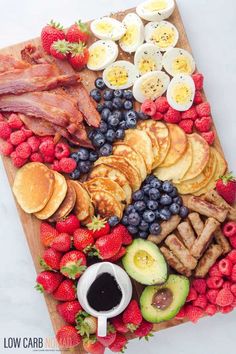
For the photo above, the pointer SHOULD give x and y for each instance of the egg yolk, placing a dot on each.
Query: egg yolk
(181, 65)
(181, 93)
(152, 87)
(163, 36)
(130, 35)
(97, 55)
(117, 76)
(156, 5)
(146, 64)
(104, 27)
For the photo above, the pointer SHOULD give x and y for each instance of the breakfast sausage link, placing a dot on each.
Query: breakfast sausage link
(181, 252)
(207, 260)
(196, 222)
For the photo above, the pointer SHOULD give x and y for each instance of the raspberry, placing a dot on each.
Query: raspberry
(1, 117)
(47, 148)
(148, 107)
(232, 256)
(5, 130)
(186, 125)
(48, 159)
(181, 314)
(194, 313)
(46, 138)
(199, 285)
(67, 164)
(198, 80)
(229, 229)
(55, 166)
(27, 132)
(17, 161)
(233, 242)
(226, 309)
(191, 113)
(233, 289)
(198, 98)
(172, 116)
(162, 104)
(23, 150)
(209, 137)
(14, 121)
(17, 137)
(201, 301)
(233, 273)
(225, 267)
(34, 143)
(214, 282)
(224, 298)
(36, 157)
(203, 109)
(158, 116)
(203, 124)
(211, 295)
(6, 148)
(214, 271)
(192, 295)
(227, 285)
(210, 310)
(62, 150)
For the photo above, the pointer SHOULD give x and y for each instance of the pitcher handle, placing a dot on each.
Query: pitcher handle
(102, 326)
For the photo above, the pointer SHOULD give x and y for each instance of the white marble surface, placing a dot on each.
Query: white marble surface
(210, 25)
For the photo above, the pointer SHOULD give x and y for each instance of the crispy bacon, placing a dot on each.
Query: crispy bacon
(8, 62)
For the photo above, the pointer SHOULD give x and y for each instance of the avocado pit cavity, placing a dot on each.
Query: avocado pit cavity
(162, 299)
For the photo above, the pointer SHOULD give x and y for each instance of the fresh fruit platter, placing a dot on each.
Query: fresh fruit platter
(119, 178)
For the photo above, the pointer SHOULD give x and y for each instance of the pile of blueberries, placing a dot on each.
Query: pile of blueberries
(155, 202)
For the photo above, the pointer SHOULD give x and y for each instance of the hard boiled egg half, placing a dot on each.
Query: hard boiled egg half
(101, 54)
(178, 61)
(163, 34)
(181, 91)
(134, 35)
(155, 10)
(150, 86)
(120, 75)
(148, 58)
(107, 28)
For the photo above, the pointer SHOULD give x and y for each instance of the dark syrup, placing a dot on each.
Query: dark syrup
(104, 293)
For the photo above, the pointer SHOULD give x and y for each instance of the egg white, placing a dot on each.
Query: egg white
(173, 54)
(151, 28)
(133, 24)
(159, 14)
(174, 88)
(149, 52)
(127, 68)
(113, 29)
(106, 52)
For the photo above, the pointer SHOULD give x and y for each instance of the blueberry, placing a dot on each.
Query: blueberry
(105, 114)
(83, 154)
(132, 229)
(108, 95)
(142, 116)
(154, 193)
(130, 114)
(174, 208)
(183, 213)
(99, 83)
(128, 105)
(117, 103)
(178, 200)
(156, 183)
(122, 125)
(139, 206)
(125, 220)
(143, 234)
(91, 134)
(157, 213)
(110, 135)
(93, 156)
(118, 114)
(130, 123)
(167, 187)
(149, 216)
(103, 127)
(120, 134)
(100, 107)
(113, 121)
(155, 229)
(165, 199)
(105, 150)
(174, 192)
(84, 166)
(165, 214)
(98, 139)
(149, 179)
(138, 195)
(128, 95)
(143, 226)
(130, 209)
(118, 93)
(75, 174)
(109, 105)
(75, 156)
(146, 189)
(134, 219)
(113, 220)
(96, 95)
(152, 205)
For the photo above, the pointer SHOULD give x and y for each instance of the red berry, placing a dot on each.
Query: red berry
(28, 133)
(233, 273)
(198, 98)
(48, 281)
(1, 117)
(15, 122)
(199, 285)
(181, 314)
(225, 267)
(203, 109)
(68, 225)
(55, 166)
(68, 337)
(69, 310)
(172, 116)
(162, 104)
(47, 148)
(17, 137)
(66, 291)
(211, 310)
(148, 107)
(229, 229)
(232, 256)
(67, 164)
(6, 148)
(34, 143)
(51, 33)
(211, 295)
(227, 285)
(191, 113)
(214, 282)
(83, 239)
(186, 125)
(99, 227)
(23, 150)
(17, 161)
(233, 289)
(233, 242)
(158, 116)
(214, 271)
(119, 325)
(62, 242)
(123, 231)
(209, 137)
(51, 259)
(201, 301)
(47, 234)
(193, 313)
(60, 49)
(203, 124)
(226, 309)
(36, 157)
(118, 255)
(78, 32)
(48, 159)
(198, 81)
(5, 130)
(224, 298)
(144, 330)
(132, 316)
(62, 150)
(192, 295)
(119, 343)
(73, 264)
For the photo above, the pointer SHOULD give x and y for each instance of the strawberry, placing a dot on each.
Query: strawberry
(144, 330)
(83, 240)
(109, 338)
(47, 234)
(118, 255)
(98, 226)
(93, 346)
(193, 313)
(119, 325)
(79, 55)
(78, 32)
(132, 316)
(60, 49)
(226, 187)
(209, 137)
(123, 231)
(62, 242)
(186, 125)
(73, 264)
(68, 337)
(203, 124)
(69, 310)
(68, 224)
(229, 229)
(51, 259)
(66, 291)
(51, 33)
(191, 113)
(172, 116)
(48, 281)
(224, 298)
(86, 324)
(198, 81)
(119, 344)
(203, 109)
(107, 246)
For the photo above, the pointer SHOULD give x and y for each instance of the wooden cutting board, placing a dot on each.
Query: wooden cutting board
(31, 224)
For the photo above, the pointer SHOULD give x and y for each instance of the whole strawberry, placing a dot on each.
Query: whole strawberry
(47, 234)
(48, 281)
(86, 324)
(109, 338)
(73, 264)
(93, 346)
(98, 226)
(144, 330)
(119, 344)
(69, 310)
(107, 246)
(118, 255)
(132, 316)
(78, 56)
(68, 337)
(78, 32)
(51, 33)
(226, 187)
(125, 235)
(51, 259)
(60, 49)
(83, 240)
(66, 291)
(62, 242)
(68, 224)
(119, 325)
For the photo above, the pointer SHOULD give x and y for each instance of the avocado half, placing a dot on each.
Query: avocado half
(145, 263)
(162, 302)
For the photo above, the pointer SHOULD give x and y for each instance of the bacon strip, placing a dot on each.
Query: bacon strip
(8, 62)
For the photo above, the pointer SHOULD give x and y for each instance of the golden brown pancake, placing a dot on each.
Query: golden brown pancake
(83, 202)
(106, 184)
(145, 126)
(67, 205)
(106, 204)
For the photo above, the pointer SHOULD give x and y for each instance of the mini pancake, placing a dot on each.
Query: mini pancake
(178, 170)
(58, 195)
(83, 202)
(33, 186)
(121, 149)
(89, 218)
(67, 205)
(178, 145)
(200, 156)
(121, 163)
(140, 142)
(163, 137)
(145, 126)
(106, 204)
(114, 175)
(105, 184)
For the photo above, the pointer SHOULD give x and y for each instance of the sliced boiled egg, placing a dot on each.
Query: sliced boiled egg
(101, 54)
(163, 34)
(178, 61)
(155, 10)
(120, 75)
(107, 28)
(148, 58)
(181, 91)
(150, 86)
(134, 35)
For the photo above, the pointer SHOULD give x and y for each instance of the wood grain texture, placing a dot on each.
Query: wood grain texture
(31, 224)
